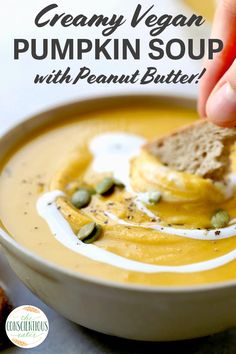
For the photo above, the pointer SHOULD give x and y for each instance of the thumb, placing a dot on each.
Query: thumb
(221, 105)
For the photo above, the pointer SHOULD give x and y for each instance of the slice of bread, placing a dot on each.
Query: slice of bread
(201, 148)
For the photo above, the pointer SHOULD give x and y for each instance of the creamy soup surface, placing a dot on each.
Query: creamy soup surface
(169, 242)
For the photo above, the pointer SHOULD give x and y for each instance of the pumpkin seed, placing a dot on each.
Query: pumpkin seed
(89, 232)
(105, 186)
(86, 231)
(81, 198)
(94, 235)
(220, 219)
(154, 197)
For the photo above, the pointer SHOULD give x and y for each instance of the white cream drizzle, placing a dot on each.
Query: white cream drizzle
(63, 232)
(112, 153)
(205, 235)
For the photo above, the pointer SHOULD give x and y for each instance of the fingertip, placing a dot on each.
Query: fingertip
(222, 123)
(221, 106)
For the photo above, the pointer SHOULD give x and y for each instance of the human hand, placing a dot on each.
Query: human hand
(217, 99)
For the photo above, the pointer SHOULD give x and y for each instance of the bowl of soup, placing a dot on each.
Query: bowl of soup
(106, 235)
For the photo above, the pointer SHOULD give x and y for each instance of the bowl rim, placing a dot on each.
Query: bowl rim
(14, 247)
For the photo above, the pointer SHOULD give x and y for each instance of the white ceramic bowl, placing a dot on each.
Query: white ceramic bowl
(129, 311)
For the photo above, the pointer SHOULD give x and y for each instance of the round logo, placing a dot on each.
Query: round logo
(27, 326)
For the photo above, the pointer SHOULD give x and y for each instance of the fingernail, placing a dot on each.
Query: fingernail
(221, 106)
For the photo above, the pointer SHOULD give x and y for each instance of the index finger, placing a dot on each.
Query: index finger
(224, 28)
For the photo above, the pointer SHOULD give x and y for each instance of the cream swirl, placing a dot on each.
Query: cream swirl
(112, 153)
(62, 231)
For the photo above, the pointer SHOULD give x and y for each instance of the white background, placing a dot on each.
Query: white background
(20, 97)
